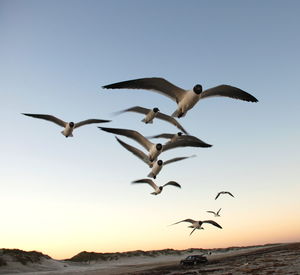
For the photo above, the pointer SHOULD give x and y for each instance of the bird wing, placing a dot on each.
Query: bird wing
(211, 212)
(228, 91)
(219, 211)
(171, 120)
(130, 134)
(49, 118)
(177, 159)
(218, 195)
(90, 121)
(174, 183)
(213, 223)
(229, 194)
(169, 136)
(136, 109)
(149, 181)
(138, 153)
(185, 141)
(193, 231)
(186, 220)
(156, 84)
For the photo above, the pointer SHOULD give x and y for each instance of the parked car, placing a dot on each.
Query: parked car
(193, 260)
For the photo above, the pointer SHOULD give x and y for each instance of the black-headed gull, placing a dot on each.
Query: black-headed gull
(217, 214)
(185, 99)
(153, 149)
(69, 126)
(222, 193)
(198, 224)
(157, 189)
(155, 165)
(150, 114)
(188, 140)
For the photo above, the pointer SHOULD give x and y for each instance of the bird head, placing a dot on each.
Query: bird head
(179, 134)
(155, 110)
(160, 162)
(158, 146)
(197, 89)
(71, 124)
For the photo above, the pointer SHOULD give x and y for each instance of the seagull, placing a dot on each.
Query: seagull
(69, 126)
(157, 189)
(216, 214)
(198, 224)
(188, 139)
(153, 149)
(156, 149)
(223, 192)
(155, 165)
(154, 113)
(185, 99)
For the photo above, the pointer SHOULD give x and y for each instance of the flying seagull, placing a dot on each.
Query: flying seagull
(185, 99)
(154, 150)
(216, 214)
(69, 126)
(198, 224)
(157, 189)
(154, 113)
(188, 139)
(223, 192)
(155, 165)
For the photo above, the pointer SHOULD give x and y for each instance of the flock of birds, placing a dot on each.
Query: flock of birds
(186, 100)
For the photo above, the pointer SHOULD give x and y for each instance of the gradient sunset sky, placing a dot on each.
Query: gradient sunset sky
(62, 196)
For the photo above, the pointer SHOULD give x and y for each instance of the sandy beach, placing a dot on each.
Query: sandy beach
(268, 259)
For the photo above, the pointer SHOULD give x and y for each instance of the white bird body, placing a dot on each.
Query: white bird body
(149, 117)
(196, 225)
(156, 169)
(153, 152)
(175, 137)
(188, 101)
(156, 192)
(68, 131)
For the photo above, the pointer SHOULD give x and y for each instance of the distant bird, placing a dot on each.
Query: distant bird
(69, 126)
(155, 165)
(216, 214)
(187, 139)
(154, 113)
(223, 192)
(157, 189)
(198, 224)
(185, 99)
(155, 149)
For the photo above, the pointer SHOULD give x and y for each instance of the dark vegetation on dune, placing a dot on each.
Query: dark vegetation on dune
(93, 256)
(85, 256)
(23, 257)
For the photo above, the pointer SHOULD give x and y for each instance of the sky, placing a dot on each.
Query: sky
(63, 195)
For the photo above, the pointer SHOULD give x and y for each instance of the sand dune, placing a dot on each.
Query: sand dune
(277, 258)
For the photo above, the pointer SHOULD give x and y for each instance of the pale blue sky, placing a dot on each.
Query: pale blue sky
(56, 55)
